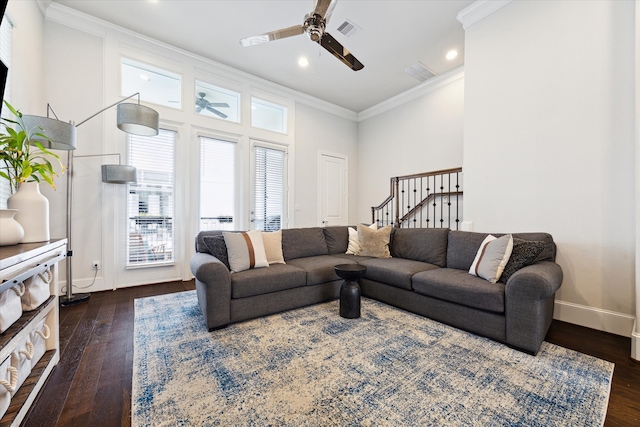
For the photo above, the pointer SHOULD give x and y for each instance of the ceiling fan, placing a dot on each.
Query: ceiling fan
(203, 104)
(314, 26)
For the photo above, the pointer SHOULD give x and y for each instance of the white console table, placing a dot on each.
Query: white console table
(18, 263)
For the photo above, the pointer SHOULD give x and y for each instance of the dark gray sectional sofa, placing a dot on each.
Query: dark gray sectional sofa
(427, 274)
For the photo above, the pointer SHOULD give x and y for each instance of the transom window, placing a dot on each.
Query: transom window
(155, 84)
(269, 116)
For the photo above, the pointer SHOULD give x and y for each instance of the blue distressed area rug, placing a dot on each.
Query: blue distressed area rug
(310, 367)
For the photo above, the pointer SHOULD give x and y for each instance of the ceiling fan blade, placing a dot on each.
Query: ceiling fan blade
(328, 42)
(273, 35)
(219, 104)
(216, 112)
(324, 8)
(198, 109)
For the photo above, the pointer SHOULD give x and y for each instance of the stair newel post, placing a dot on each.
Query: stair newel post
(396, 193)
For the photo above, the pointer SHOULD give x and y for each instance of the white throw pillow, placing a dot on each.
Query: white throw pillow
(492, 257)
(245, 250)
(273, 246)
(354, 243)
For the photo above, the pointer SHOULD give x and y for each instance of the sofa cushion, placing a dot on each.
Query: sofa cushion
(353, 258)
(394, 271)
(374, 242)
(462, 247)
(420, 244)
(303, 242)
(460, 287)
(320, 269)
(277, 277)
(337, 238)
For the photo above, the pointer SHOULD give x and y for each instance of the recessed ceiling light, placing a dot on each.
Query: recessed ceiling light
(452, 54)
(303, 62)
(145, 77)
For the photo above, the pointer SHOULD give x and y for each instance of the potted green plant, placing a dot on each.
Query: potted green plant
(25, 162)
(23, 159)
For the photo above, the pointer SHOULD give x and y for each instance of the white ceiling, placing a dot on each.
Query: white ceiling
(394, 35)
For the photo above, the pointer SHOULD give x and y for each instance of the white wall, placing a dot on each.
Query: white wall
(321, 131)
(27, 66)
(82, 57)
(549, 143)
(422, 135)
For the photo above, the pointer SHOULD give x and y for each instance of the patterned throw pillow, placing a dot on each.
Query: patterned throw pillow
(217, 247)
(524, 253)
(492, 257)
(245, 250)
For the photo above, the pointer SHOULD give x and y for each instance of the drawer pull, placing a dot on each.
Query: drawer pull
(19, 289)
(11, 386)
(45, 333)
(28, 353)
(46, 276)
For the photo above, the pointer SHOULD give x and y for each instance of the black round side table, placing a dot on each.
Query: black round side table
(350, 290)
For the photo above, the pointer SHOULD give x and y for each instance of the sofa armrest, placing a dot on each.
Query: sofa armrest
(529, 301)
(535, 282)
(213, 286)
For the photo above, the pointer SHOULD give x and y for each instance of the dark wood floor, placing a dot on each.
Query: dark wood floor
(91, 386)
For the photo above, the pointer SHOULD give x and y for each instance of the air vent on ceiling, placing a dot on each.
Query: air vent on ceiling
(348, 28)
(419, 72)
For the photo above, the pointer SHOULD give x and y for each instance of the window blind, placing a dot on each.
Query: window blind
(150, 205)
(217, 184)
(5, 56)
(269, 188)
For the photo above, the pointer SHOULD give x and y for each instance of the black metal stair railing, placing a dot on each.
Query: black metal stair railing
(424, 200)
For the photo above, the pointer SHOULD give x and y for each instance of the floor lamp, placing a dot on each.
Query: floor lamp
(132, 118)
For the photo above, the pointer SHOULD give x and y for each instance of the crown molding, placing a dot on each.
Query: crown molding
(479, 10)
(413, 93)
(72, 18)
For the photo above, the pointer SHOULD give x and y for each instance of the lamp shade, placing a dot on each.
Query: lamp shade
(62, 134)
(138, 119)
(119, 174)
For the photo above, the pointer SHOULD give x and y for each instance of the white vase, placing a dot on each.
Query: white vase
(33, 212)
(11, 232)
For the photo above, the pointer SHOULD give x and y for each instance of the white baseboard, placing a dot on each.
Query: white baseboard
(595, 318)
(635, 342)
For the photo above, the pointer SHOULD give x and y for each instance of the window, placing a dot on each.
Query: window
(5, 56)
(269, 187)
(269, 116)
(155, 85)
(217, 184)
(150, 206)
(214, 101)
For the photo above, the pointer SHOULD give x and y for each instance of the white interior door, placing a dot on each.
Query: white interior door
(332, 190)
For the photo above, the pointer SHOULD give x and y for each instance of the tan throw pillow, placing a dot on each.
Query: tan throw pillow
(354, 243)
(374, 243)
(245, 250)
(273, 246)
(492, 257)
